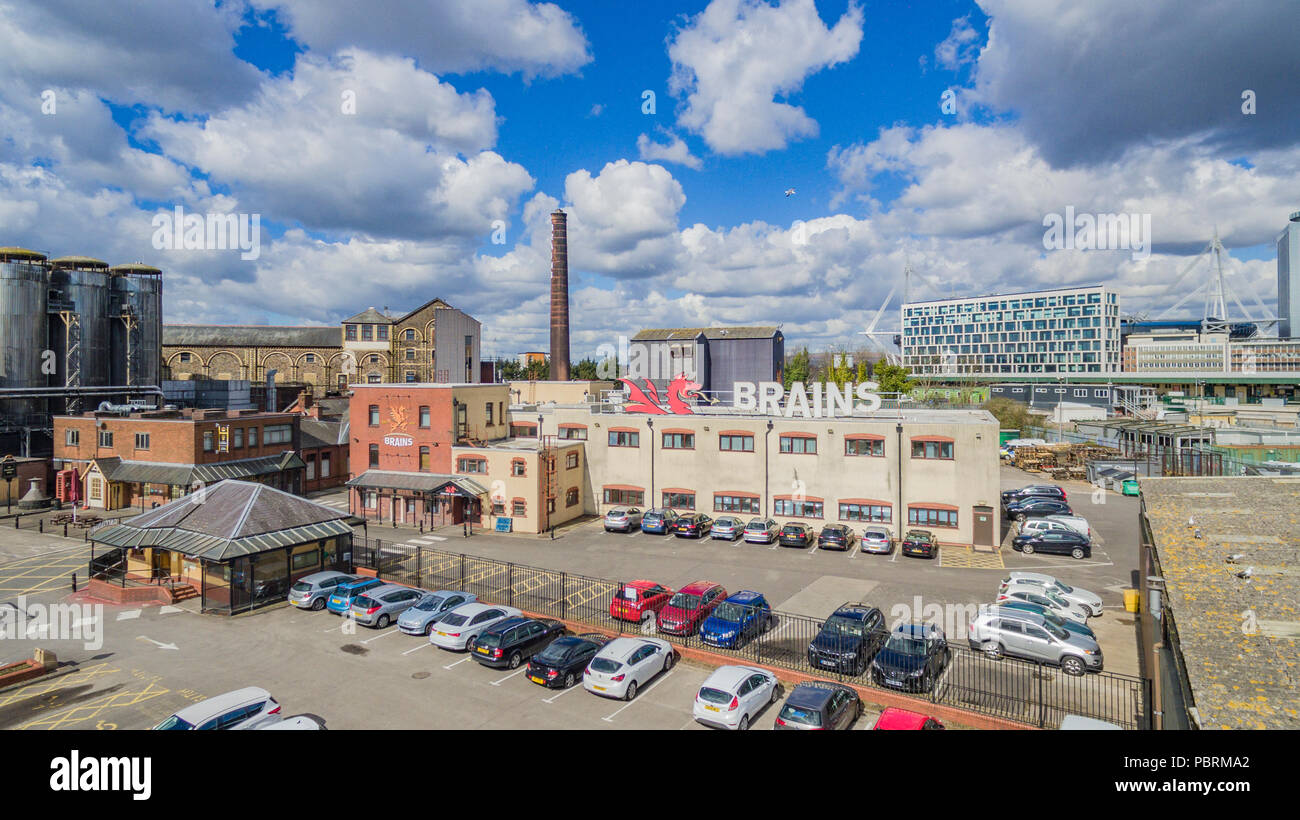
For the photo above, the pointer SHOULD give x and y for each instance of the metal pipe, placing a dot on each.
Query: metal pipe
(59, 392)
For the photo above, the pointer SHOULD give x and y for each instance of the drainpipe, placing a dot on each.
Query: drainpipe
(651, 424)
(901, 510)
(767, 443)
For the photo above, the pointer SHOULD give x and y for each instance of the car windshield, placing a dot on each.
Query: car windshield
(173, 724)
(845, 626)
(683, 600)
(557, 651)
(430, 604)
(792, 529)
(806, 717)
(725, 522)
(455, 620)
(617, 513)
(906, 644)
(728, 611)
(711, 695)
(301, 586)
(875, 533)
(1066, 588)
(605, 665)
(756, 525)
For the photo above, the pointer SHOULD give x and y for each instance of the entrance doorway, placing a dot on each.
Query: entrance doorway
(983, 531)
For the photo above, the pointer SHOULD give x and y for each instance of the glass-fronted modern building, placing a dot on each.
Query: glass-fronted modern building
(1059, 331)
(1288, 278)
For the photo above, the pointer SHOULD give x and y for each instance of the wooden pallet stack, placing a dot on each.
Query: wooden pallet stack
(1063, 462)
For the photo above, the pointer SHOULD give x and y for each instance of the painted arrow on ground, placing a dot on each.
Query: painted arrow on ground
(158, 644)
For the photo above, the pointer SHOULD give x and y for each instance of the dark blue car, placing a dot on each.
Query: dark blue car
(737, 620)
(341, 598)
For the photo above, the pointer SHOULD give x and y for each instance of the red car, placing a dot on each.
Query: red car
(893, 718)
(638, 601)
(689, 606)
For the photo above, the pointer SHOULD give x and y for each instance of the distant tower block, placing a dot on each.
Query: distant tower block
(559, 297)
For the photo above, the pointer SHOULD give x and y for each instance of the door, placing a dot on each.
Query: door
(983, 532)
(1012, 635)
(1039, 645)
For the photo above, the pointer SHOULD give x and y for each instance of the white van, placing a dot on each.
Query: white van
(1048, 523)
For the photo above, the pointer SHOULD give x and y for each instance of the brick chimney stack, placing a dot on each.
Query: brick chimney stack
(559, 297)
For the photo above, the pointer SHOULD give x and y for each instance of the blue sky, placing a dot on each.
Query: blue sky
(477, 114)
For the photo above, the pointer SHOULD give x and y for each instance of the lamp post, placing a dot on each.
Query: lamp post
(650, 423)
(899, 430)
(767, 438)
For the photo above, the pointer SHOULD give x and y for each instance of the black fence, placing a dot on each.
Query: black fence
(1025, 691)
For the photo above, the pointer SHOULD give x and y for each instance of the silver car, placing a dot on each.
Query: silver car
(1044, 597)
(311, 591)
(245, 708)
(1032, 638)
(761, 531)
(727, 527)
(623, 519)
(877, 540)
(420, 618)
(1090, 602)
(380, 606)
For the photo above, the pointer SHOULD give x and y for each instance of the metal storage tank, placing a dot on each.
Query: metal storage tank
(137, 325)
(23, 297)
(82, 283)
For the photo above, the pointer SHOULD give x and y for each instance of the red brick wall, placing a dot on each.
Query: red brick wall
(394, 400)
(171, 441)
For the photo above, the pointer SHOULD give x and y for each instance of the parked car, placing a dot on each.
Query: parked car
(1075, 523)
(796, 535)
(877, 541)
(297, 722)
(241, 709)
(1033, 638)
(914, 658)
(835, 537)
(512, 641)
(340, 600)
(737, 620)
(1012, 606)
(639, 601)
(692, 525)
(1089, 601)
(895, 718)
(459, 628)
(560, 664)
(1045, 598)
(1054, 542)
(623, 519)
(728, 527)
(733, 696)
(657, 521)
(819, 705)
(689, 606)
(848, 639)
(761, 531)
(430, 609)
(625, 664)
(920, 543)
(380, 606)
(311, 591)
(1034, 491)
(1036, 506)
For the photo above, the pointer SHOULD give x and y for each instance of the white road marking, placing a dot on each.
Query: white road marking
(641, 692)
(381, 635)
(421, 541)
(417, 649)
(128, 615)
(169, 609)
(522, 670)
(457, 663)
(436, 538)
(552, 698)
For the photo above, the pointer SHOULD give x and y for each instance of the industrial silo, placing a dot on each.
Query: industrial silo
(137, 325)
(22, 331)
(82, 336)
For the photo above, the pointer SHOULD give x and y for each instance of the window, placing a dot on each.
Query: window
(374, 455)
(736, 504)
(571, 461)
(410, 376)
(1099, 394)
(252, 436)
(311, 467)
(142, 441)
(679, 441)
(864, 447)
(367, 333)
(185, 358)
(523, 430)
(374, 359)
(879, 513)
(574, 433)
(518, 468)
(518, 508)
(381, 333)
(310, 358)
(931, 517)
(471, 465)
(410, 354)
(238, 438)
(350, 332)
(736, 442)
(372, 500)
(424, 415)
(207, 441)
(324, 465)
(932, 449)
(489, 410)
(96, 489)
(410, 334)
(624, 438)
(305, 560)
(72, 438)
(1081, 394)
(797, 509)
(278, 434)
(799, 444)
(679, 501)
(571, 497)
(374, 415)
(424, 459)
(628, 498)
(498, 508)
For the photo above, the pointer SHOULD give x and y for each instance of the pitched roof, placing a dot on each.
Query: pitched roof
(317, 433)
(420, 482)
(434, 301)
(711, 333)
(185, 475)
(251, 336)
(369, 316)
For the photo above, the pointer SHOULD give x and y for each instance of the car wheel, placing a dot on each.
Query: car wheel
(776, 693)
(317, 605)
(631, 691)
(668, 661)
(428, 630)
(744, 723)
(1072, 666)
(514, 660)
(469, 644)
(1020, 518)
(1027, 549)
(568, 680)
(1076, 553)
(992, 649)
(382, 622)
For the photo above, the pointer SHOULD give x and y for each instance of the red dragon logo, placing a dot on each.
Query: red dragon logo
(647, 401)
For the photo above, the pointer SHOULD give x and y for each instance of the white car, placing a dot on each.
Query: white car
(734, 695)
(1033, 594)
(625, 664)
(298, 722)
(245, 708)
(1057, 523)
(1088, 601)
(466, 622)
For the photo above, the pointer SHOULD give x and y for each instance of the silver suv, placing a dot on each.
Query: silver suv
(1030, 636)
(623, 519)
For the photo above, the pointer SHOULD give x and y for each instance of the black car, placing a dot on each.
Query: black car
(795, 535)
(560, 665)
(514, 640)
(835, 537)
(1038, 506)
(692, 525)
(819, 705)
(1034, 491)
(1056, 542)
(912, 659)
(920, 543)
(848, 639)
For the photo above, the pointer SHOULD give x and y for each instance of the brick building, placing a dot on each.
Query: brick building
(148, 458)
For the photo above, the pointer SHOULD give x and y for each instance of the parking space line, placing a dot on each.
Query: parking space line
(522, 670)
(418, 648)
(652, 685)
(381, 635)
(457, 663)
(552, 698)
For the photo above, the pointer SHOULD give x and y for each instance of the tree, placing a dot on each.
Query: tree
(511, 370)
(893, 378)
(838, 369)
(1011, 414)
(585, 370)
(798, 368)
(537, 370)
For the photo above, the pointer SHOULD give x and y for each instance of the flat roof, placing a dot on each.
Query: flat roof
(1067, 289)
(920, 415)
(423, 385)
(1239, 637)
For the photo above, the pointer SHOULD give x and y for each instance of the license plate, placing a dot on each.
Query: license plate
(825, 662)
(536, 679)
(598, 688)
(481, 649)
(443, 634)
(713, 708)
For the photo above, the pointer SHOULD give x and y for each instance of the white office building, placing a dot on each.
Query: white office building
(1058, 331)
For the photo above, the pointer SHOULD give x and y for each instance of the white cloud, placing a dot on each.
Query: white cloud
(675, 151)
(623, 221)
(958, 48)
(732, 60)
